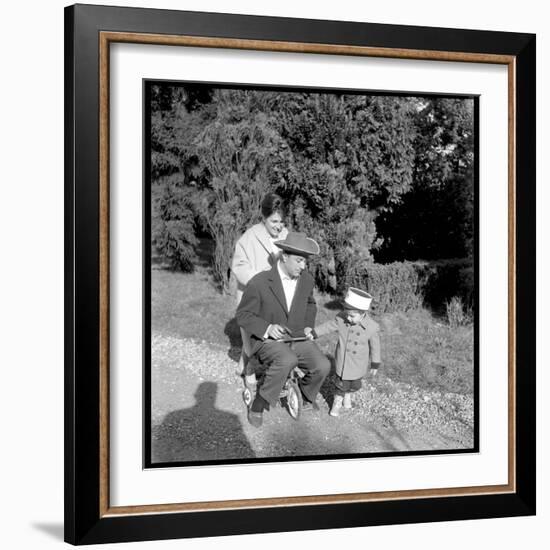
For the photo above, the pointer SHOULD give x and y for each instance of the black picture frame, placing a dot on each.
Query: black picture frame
(88, 517)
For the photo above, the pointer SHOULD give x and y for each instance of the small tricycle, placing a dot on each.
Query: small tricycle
(291, 395)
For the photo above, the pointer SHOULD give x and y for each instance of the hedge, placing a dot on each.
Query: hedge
(405, 286)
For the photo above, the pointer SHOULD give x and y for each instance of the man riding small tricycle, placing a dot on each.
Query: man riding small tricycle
(278, 305)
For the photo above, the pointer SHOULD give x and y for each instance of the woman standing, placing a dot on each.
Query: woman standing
(255, 252)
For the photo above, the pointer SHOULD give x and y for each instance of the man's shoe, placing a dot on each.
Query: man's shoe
(255, 418)
(307, 405)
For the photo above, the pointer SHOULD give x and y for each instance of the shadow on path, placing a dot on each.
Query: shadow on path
(201, 432)
(391, 439)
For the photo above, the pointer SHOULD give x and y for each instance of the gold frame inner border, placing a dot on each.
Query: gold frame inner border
(105, 40)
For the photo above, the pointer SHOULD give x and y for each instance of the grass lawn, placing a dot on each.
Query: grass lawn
(417, 348)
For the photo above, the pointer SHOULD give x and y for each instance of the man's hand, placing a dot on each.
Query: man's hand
(276, 332)
(309, 333)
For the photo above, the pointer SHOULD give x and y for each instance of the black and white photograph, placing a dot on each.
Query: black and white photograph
(311, 286)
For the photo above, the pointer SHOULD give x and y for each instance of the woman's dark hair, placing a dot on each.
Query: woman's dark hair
(272, 203)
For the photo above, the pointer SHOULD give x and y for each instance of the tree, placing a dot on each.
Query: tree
(435, 218)
(173, 225)
(242, 156)
(353, 157)
(177, 116)
(369, 177)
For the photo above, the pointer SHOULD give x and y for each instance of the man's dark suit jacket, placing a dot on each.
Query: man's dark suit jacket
(263, 304)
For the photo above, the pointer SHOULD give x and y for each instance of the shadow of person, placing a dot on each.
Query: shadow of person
(200, 433)
(233, 333)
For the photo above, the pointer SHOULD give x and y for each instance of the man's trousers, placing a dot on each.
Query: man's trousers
(280, 358)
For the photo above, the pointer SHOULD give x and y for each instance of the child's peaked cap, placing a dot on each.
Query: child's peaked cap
(357, 299)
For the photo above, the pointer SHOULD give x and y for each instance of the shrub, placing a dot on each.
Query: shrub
(445, 279)
(173, 225)
(395, 287)
(406, 286)
(457, 314)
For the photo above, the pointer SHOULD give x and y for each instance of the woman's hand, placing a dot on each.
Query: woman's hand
(308, 331)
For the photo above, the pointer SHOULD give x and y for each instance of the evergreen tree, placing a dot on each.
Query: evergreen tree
(435, 218)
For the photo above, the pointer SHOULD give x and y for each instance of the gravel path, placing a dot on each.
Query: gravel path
(198, 413)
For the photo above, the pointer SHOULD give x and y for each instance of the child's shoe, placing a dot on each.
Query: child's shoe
(336, 405)
(347, 401)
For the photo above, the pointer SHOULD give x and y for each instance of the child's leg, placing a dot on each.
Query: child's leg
(336, 404)
(338, 396)
(347, 400)
(351, 387)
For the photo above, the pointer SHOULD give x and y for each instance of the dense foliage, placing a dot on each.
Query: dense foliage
(406, 286)
(370, 177)
(435, 218)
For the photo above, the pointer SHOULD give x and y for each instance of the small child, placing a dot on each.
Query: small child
(358, 341)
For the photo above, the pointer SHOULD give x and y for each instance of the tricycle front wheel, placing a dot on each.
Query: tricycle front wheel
(294, 400)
